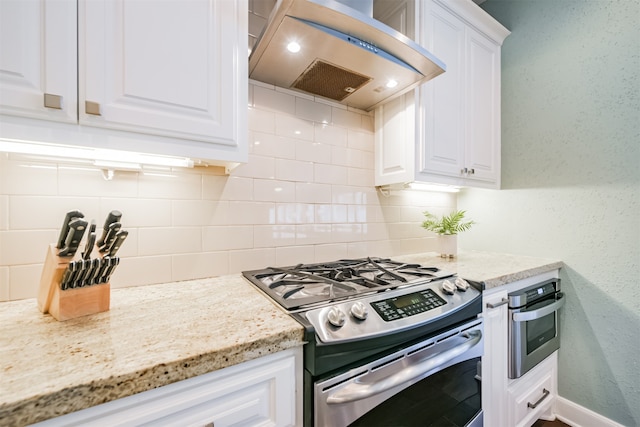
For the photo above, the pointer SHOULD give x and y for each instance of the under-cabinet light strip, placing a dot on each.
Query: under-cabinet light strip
(126, 159)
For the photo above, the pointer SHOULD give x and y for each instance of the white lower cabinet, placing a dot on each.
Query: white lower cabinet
(532, 395)
(513, 402)
(261, 392)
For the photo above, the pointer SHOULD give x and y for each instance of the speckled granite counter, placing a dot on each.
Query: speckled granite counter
(491, 269)
(156, 335)
(152, 336)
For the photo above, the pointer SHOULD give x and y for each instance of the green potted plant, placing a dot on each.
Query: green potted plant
(447, 228)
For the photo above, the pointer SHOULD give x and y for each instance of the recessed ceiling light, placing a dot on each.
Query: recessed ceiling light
(392, 83)
(293, 47)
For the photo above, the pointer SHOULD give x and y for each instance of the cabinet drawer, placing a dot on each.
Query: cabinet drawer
(533, 394)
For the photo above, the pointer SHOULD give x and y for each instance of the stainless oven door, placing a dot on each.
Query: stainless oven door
(421, 385)
(534, 334)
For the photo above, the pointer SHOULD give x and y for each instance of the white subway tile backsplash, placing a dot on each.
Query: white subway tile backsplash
(21, 247)
(274, 191)
(169, 240)
(346, 118)
(294, 127)
(274, 101)
(308, 192)
(136, 212)
(28, 177)
(4, 283)
(295, 213)
(225, 237)
(330, 174)
(331, 252)
(330, 135)
(261, 120)
(90, 181)
(265, 144)
(294, 170)
(314, 111)
(313, 234)
(293, 255)
(194, 266)
(306, 195)
(170, 185)
(144, 270)
(241, 213)
(269, 236)
(4, 212)
(25, 281)
(252, 259)
(313, 152)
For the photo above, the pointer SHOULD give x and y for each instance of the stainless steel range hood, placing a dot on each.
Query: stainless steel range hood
(344, 54)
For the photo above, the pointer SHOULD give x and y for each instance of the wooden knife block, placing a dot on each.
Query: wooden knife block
(70, 303)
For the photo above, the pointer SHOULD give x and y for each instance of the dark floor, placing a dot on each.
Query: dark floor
(556, 423)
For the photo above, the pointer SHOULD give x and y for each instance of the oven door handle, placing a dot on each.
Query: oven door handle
(526, 316)
(358, 390)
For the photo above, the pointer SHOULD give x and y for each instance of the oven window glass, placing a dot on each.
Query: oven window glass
(540, 331)
(450, 397)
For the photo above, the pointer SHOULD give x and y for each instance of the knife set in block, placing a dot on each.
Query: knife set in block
(74, 285)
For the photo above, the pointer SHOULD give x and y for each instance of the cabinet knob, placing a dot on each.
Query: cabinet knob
(91, 107)
(463, 171)
(53, 101)
(472, 171)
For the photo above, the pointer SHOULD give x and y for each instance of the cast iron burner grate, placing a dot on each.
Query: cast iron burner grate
(309, 284)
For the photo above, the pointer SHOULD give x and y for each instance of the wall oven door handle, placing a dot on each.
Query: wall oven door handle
(526, 316)
(358, 390)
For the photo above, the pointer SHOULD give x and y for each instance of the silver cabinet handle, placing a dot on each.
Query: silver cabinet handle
(92, 108)
(53, 101)
(503, 302)
(525, 316)
(362, 390)
(545, 394)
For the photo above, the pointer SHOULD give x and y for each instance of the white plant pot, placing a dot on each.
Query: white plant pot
(448, 245)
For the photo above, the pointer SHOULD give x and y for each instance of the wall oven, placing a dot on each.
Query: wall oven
(388, 343)
(534, 325)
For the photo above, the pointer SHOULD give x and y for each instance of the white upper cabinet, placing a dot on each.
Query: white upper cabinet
(449, 132)
(38, 77)
(164, 77)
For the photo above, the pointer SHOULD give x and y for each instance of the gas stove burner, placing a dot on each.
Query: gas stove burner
(309, 284)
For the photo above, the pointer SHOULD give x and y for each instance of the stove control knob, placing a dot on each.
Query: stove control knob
(336, 317)
(461, 284)
(448, 287)
(359, 311)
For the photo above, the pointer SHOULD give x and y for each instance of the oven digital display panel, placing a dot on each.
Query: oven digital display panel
(407, 305)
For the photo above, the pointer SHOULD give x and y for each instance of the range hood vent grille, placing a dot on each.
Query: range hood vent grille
(328, 80)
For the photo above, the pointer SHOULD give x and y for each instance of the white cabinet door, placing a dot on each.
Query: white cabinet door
(38, 59)
(457, 114)
(494, 360)
(443, 99)
(261, 392)
(482, 114)
(170, 68)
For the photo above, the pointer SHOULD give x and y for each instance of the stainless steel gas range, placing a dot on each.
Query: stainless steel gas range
(388, 343)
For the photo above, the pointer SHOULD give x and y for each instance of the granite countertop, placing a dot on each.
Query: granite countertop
(159, 334)
(151, 336)
(490, 269)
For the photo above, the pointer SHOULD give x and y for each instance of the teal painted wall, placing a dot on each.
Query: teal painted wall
(571, 182)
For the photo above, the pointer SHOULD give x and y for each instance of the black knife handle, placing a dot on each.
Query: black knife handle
(111, 235)
(84, 266)
(117, 242)
(114, 263)
(114, 216)
(68, 276)
(91, 241)
(104, 265)
(77, 228)
(71, 215)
